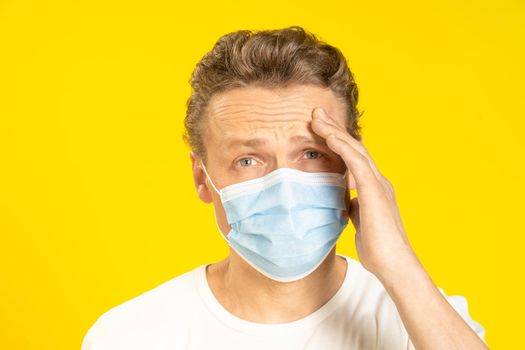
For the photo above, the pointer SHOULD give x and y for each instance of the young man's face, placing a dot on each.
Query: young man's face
(252, 131)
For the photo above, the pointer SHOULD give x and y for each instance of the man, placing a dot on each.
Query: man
(273, 128)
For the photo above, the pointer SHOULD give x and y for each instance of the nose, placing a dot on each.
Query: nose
(281, 160)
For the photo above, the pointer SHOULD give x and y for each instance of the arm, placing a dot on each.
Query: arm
(384, 249)
(430, 320)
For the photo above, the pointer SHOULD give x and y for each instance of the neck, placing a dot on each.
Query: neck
(251, 296)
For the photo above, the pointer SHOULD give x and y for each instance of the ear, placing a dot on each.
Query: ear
(200, 179)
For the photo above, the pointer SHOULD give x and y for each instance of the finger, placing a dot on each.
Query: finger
(326, 130)
(321, 114)
(355, 161)
(332, 126)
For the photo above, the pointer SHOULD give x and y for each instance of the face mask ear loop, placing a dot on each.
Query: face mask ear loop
(209, 178)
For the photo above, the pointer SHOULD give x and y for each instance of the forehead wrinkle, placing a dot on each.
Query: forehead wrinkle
(248, 111)
(265, 123)
(309, 96)
(252, 126)
(268, 118)
(228, 126)
(225, 106)
(257, 139)
(247, 98)
(244, 113)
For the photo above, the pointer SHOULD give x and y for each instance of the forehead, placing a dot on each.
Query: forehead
(255, 110)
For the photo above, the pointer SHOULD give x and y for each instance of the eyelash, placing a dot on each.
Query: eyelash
(321, 155)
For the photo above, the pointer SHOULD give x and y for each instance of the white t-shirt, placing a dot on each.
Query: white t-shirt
(183, 313)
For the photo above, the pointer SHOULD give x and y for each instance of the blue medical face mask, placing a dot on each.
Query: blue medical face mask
(285, 223)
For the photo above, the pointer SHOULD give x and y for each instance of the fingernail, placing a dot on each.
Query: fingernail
(322, 114)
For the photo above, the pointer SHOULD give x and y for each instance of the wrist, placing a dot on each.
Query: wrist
(402, 273)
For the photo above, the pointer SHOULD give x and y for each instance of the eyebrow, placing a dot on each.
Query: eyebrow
(257, 142)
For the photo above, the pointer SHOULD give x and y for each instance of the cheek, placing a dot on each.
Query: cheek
(220, 218)
(219, 209)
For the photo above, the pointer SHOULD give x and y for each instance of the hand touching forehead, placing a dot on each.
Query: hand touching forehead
(271, 127)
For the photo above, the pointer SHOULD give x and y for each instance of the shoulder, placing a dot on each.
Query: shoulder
(151, 315)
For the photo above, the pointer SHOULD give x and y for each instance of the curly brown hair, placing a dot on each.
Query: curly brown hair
(269, 58)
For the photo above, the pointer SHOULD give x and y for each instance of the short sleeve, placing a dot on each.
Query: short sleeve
(459, 303)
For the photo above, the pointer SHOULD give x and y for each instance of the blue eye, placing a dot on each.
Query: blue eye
(313, 154)
(245, 161)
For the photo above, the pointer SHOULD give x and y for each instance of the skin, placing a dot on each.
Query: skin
(277, 116)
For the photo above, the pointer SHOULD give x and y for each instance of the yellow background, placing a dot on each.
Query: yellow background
(97, 203)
